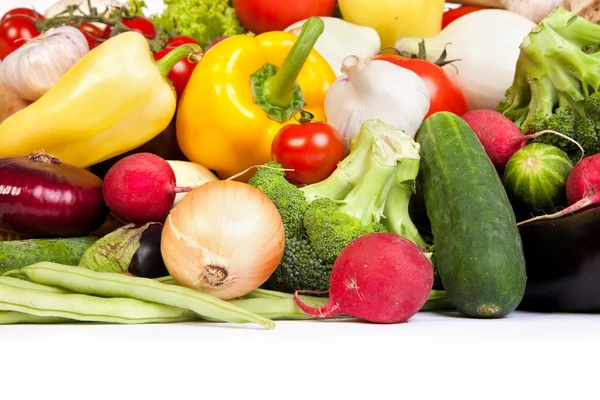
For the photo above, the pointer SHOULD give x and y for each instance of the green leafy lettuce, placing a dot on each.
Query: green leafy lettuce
(204, 20)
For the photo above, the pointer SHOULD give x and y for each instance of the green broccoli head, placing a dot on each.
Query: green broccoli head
(288, 199)
(330, 229)
(557, 83)
(300, 268)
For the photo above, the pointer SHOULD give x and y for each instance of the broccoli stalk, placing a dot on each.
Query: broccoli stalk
(345, 176)
(557, 83)
(397, 217)
(321, 219)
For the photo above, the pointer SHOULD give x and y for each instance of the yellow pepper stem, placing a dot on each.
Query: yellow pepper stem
(279, 87)
(191, 51)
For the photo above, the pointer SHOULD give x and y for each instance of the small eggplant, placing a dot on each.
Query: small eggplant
(563, 263)
(130, 249)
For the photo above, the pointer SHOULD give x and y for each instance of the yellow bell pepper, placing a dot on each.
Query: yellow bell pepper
(394, 19)
(237, 99)
(113, 100)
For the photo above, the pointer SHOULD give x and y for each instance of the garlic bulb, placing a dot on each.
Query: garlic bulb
(375, 89)
(35, 67)
(341, 39)
(534, 10)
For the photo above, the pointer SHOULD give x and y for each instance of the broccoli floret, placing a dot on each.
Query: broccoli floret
(321, 219)
(330, 229)
(300, 268)
(289, 201)
(557, 83)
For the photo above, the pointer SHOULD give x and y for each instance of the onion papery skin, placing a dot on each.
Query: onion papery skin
(42, 197)
(225, 238)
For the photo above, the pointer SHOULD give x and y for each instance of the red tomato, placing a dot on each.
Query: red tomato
(458, 12)
(260, 16)
(92, 33)
(179, 40)
(180, 74)
(444, 93)
(313, 150)
(28, 12)
(137, 24)
(14, 32)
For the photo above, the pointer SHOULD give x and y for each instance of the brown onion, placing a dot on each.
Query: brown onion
(224, 238)
(40, 196)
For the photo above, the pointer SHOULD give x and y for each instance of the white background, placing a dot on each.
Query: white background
(442, 356)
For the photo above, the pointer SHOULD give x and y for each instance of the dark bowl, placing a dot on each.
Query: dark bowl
(563, 263)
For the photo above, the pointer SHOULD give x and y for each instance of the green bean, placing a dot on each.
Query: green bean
(278, 308)
(88, 308)
(169, 280)
(110, 284)
(14, 317)
(23, 284)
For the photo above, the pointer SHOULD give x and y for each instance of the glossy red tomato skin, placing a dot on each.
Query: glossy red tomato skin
(28, 12)
(445, 95)
(180, 40)
(456, 13)
(313, 150)
(137, 24)
(259, 16)
(93, 34)
(180, 74)
(14, 32)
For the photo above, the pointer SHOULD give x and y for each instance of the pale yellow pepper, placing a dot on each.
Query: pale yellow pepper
(394, 19)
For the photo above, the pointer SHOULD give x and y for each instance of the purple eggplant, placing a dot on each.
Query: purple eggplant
(563, 263)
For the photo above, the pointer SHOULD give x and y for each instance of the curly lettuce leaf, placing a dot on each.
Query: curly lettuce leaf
(204, 20)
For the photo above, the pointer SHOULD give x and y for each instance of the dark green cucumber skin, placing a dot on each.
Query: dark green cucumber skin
(478, 247)
(20, 253)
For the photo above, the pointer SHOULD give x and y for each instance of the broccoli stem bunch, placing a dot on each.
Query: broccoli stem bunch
(557, 83)
(368, 192)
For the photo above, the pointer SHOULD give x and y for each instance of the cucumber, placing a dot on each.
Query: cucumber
(20, 253)
(535, 178)
(478, 248)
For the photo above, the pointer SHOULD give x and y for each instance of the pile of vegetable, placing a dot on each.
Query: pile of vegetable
(249, 161)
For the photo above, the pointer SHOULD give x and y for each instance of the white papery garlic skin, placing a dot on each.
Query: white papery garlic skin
(31, 70)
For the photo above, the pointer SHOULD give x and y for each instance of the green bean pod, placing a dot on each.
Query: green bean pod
(88, 308)
(108, 284)
(14, 317)
(23, 284)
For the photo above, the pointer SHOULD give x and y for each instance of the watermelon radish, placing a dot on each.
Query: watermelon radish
(535, 178)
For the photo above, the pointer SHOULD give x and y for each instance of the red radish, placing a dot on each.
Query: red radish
(40, 196)
(583, 188)
(500, 137)
(379, 277)
(141, 188)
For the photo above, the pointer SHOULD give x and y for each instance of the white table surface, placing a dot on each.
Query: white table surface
(434, 355)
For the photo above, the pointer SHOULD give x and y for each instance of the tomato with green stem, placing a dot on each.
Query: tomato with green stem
(136, 24)
(182, 71)
(311, 150)
(445, 94)
(15, 31)
(93, 34)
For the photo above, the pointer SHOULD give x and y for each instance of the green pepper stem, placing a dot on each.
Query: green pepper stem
(278, 88)
(166, 64)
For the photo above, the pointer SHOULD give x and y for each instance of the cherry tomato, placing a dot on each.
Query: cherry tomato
(260, 16)
(313, 150)
(137, 24)
(458, 12)
(445, 94)
(28, 12)
(93, 34)
(180, 40)
(14, 32)
(180, 74)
